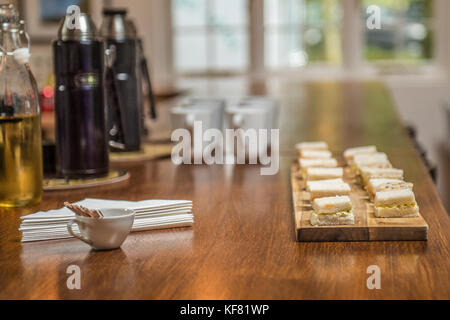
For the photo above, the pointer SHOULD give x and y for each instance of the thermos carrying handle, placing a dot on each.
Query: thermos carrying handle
(146, 76)
(116, 95)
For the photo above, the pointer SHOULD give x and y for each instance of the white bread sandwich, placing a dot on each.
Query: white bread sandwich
(318, 163)
(379, 173)
(329, 181)
(332, 211)
(377, 185)
(396, 204)
(316, 154)
(312, 174)
(375, 160)
(349, 154)
(323, 190)
(317, 146)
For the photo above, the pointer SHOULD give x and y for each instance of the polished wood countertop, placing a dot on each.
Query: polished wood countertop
(243, 243)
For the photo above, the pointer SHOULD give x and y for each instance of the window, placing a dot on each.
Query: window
(213, 36)
(210, 35)
(406, 31)
(298, 32)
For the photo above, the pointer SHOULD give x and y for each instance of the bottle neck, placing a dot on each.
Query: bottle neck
(10, 38)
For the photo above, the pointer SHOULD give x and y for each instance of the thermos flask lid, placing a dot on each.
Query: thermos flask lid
(116, 26)
(78, 30)
(114, 11)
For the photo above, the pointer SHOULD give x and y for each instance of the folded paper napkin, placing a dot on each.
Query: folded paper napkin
(150, 215)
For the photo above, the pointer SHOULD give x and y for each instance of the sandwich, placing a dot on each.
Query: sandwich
(316, 154)
(319, 145)
(377, 185)
(396, 204)
(332, 211)
(312, 174)
(377, 156)
(323, 189)
(318, 163)
(349, 154)
(375, 160)
(336, 181)
(379, 173)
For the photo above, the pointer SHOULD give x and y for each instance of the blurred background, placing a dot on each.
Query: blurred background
(189, 40)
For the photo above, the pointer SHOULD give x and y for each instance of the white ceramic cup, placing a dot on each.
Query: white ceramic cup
(266, 103)
(217, 106)
(104, 234)
(241, 117)
(183, 117)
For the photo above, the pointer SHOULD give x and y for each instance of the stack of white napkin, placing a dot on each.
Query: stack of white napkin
(150, 215)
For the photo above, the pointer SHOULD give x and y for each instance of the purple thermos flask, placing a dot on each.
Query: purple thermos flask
(80, 109)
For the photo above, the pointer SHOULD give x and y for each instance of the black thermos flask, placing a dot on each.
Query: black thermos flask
(122, 83)
(80, 108)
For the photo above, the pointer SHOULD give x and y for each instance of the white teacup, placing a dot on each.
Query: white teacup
(244, 118)
(265, 103)
(217, 105)
(107, 233)
(182, 117)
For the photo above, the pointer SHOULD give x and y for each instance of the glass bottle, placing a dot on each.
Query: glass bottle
(21, 171)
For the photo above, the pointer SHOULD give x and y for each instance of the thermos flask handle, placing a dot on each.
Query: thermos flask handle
(110, 54)
(146, 76)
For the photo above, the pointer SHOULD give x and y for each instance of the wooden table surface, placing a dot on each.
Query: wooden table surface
(243, 243)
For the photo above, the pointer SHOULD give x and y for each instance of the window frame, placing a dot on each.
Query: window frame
(353, 61)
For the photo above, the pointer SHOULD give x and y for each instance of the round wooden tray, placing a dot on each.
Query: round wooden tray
(148, 152)
(114, 176)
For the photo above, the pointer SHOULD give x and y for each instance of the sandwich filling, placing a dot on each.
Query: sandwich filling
(395, 199)
(339, 206)
(402, 206)
(339, 213)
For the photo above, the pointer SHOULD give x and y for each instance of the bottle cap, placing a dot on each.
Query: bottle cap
(116, 26)
(77, 28)
(8, 14)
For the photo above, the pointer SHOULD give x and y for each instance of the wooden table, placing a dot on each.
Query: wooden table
(243, 243)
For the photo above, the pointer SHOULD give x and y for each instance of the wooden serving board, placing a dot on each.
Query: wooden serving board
(366, 228)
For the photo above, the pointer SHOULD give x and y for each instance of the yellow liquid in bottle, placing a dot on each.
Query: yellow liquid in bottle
(21, 170)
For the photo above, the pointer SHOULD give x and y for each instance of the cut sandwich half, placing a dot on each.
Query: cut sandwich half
(379, 173)
(324, 190)
(396, 204)
(375, 160)
(377, 185)
(312, 174)
(332, 211)
(329, 181)
(316, 145)
(316, 154)
(318, 163)
(349, 154)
